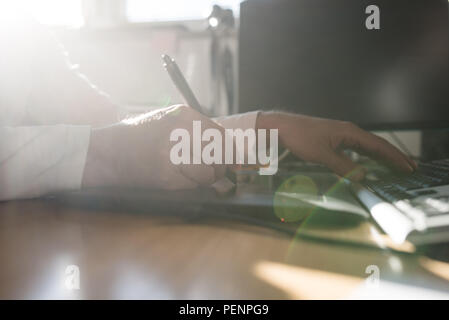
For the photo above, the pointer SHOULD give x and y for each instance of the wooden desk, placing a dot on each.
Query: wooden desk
(122, 255)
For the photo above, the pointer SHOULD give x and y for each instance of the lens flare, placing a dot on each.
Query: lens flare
(287, 202)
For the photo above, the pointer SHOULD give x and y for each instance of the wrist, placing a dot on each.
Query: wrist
(272, 120)
(266, 120)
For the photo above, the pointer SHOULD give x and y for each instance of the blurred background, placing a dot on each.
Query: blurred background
(118, 44)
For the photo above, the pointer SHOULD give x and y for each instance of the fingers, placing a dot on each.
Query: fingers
(220, 171)
(203, 174)
(191, 176)
(343, 166)
(378, 148)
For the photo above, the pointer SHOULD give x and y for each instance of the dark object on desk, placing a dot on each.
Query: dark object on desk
(221, 23)
(331, 215)
(317, 57)
(257, 202)
(191, 205)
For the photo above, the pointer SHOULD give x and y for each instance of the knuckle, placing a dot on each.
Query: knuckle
(186, 108)
(182, 108)
(187, 111)
(179, 108)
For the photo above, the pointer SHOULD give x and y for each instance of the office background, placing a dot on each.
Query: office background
(118, 45)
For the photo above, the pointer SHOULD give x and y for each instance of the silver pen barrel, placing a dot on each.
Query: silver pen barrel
(181, 83)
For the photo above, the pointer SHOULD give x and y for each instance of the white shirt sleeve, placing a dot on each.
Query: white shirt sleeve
(39, 160)
(47, 110)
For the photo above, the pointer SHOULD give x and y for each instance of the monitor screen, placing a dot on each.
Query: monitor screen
(338, 59)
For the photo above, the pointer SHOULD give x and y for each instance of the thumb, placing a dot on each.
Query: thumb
(344, 167)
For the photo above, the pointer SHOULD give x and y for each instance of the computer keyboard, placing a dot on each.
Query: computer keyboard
(401, 187)
(413, 206)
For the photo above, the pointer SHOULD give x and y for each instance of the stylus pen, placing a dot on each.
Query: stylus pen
(224, 185)
(181, 83)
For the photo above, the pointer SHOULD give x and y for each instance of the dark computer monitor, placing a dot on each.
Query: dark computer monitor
(317, 57)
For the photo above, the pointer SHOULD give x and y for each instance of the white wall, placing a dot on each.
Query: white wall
(126, 63)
